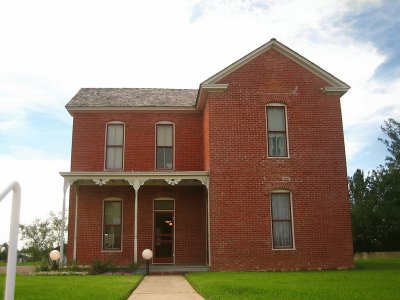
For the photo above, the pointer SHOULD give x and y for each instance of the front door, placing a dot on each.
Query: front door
(164, 223)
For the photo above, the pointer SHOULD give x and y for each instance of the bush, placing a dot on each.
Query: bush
(44, 266)
(132, 267)
(99, 267)
(74, 267)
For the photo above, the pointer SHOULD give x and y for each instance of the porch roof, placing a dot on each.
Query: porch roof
(172, 178)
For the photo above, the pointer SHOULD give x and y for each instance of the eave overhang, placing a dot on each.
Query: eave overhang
(140, 109)
(205, 89)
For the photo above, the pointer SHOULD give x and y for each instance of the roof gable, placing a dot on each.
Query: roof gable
(336, 86)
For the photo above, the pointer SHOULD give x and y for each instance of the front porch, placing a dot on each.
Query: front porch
(166, 212)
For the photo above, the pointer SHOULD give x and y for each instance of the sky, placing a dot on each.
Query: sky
(50, 49)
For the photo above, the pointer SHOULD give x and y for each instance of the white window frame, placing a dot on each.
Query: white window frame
(105, 146)
(112, 199)
(286, 129)
(173, 145)
(282, 191)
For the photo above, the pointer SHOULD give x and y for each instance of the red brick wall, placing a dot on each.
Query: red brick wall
(206, 137)
(242, 176)
(190, 220)
(88, 141)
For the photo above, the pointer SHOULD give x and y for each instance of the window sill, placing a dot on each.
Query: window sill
(284, 249)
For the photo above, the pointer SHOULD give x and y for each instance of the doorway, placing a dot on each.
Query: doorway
(164, 231)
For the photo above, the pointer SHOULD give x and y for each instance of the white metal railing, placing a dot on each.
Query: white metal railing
(13, 243)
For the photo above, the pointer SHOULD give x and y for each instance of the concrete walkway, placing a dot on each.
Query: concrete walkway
(164, 287)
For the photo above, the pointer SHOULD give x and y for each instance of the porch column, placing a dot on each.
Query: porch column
(136, 183)
(75, 222)
(67, 184)
(205, 182)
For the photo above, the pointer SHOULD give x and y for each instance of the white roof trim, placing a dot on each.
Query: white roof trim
(207, 88)
(274, 44)
(133, 175)
(71, 110)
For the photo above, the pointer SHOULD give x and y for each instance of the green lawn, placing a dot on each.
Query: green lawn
(372, 279)
(73, 287)
(31, 263)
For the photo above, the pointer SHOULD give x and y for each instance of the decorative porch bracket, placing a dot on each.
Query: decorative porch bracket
(136, 183)
(100, 181)
(172, 181)
(67, 184)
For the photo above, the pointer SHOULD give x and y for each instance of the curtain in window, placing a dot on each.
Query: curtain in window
(164, 135)
(164, 146)
(281, 220)
(276, 131)
(115, 145)
(112, 225)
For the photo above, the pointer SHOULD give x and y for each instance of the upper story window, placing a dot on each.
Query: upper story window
(114, 146)
(165, 146)
(277, 133)
(281, 214)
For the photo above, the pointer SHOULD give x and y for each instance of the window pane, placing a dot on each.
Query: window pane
(112, 237)
(168, 158)
(282, 234)
(280, 206)
(114, 158)
(115, 134)
(164, 135)
(112, 212)
(164, 157)
(276, 119)
(160, 158)
(277, 144)
(164, 204)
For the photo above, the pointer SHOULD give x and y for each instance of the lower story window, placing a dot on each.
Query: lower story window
(112, 225)
(281, 220)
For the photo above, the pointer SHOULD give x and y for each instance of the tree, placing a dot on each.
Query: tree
(392, 129)
(3, 251)
(42, 235)
(375, 199)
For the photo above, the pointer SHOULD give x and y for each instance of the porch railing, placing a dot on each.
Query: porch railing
(13, 243)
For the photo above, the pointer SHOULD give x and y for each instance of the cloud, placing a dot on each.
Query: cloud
(379, 23)
(53, 48)
(41, 185)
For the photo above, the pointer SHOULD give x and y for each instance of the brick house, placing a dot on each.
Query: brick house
(246, 173)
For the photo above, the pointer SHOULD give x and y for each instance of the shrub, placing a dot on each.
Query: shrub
(99, 267)
(44, 266)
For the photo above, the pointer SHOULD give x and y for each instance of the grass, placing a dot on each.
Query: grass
(371, 279)
(73, 287)
(31, 263)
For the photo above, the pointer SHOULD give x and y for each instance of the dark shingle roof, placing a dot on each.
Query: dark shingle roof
(128, 97)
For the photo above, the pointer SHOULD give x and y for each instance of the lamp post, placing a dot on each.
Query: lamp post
(54, 256)
(147, 254)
